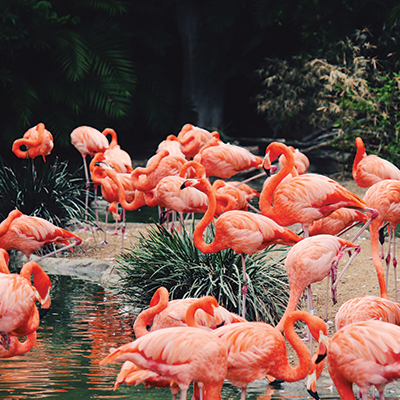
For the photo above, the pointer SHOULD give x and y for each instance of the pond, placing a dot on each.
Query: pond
(83, 323)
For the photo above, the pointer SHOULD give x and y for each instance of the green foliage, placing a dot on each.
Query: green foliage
(48, 191)
(171, 260)
(67, 64)
(356, 89)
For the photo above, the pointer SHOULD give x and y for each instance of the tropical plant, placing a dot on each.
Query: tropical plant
(48, 191)
(67, 64)
(162, 258)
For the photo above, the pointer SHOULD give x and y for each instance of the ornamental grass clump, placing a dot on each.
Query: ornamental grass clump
(48, 191)
(161, 258)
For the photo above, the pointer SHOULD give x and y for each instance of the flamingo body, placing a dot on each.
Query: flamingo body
(224, 160)
(301, 161)
(29, 234)
(88, 141)
(38, 142)
(181, 354)
(365, 308)
(370, 169)
(365, 353)
(304, 198)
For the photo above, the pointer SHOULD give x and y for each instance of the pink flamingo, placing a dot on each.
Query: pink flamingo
(179, 354)
(224, 160)
(301, 161)
(256, 349)
(304, 198)
(165, 314)
(384, 196)
(368, 170)
(310, 261)
(192, 139)
(243, 232)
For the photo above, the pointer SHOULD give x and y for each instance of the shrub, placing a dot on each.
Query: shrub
(161, 258)
(48, 191)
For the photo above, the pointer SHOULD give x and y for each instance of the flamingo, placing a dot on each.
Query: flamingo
(368, 170)
(224, 160)
(38, 142)
(365, 353)
(256, 349)
(165, 314)
(243, 232)
(301, 161)
(171, 143)
(365, 308)
(179, 354)
(310, 261)
(159, 166)
(88, 141)
(28, 234)
(304, 198)
(115, 152)
(384, 196)
(338, 222)
(192, 139)
(19, 315)
(238, 197)
(354, 310)
(248, 190)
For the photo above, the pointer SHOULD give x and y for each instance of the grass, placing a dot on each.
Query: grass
(162, 258)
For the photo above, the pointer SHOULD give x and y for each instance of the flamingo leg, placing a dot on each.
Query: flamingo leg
(327, 299)
(388, 256)
(60, 249)
(306, 232)
(183, 394)
(310, 309)
(123, 227)
(394, 260)
(87, 190)
(374, 214)
(105, 228)
(254, 208)
(96, 206)
(357, 250)
(244, 290)
(243, 394)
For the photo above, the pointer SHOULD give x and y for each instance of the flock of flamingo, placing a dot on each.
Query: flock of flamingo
(196, 340)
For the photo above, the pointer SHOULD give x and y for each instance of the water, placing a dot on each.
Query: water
(83, 323)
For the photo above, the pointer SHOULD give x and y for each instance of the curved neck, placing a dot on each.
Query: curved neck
(198, 168)
(374, 237)
(287, 372)
(206, 304)
(359, 155)
(158, 303)
(114, 140)
(41, 281)
(207, 218)
(121, 192)
(144, 185)
(273, 182)
(5, 225)
(4, 259)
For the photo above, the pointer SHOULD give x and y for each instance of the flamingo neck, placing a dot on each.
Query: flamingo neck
(41, 281)
(205, 221)
(203, 304)
(287, 372)
(17, 348)
(359, 155)
(114, 140)
(121, 191)
(269, 189)
(291, 306)
(5, 225)
(374, 233)
(158, 303)
(137, 172)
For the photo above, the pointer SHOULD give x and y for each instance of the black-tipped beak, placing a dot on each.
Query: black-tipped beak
(267, 171)
(313, 394)
(43, 312)
(183, 186)
(320, 358)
